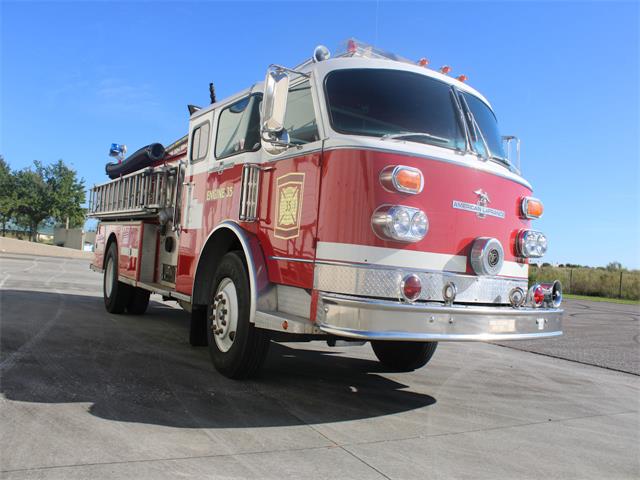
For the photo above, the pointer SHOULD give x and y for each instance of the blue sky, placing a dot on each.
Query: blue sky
(563, 76)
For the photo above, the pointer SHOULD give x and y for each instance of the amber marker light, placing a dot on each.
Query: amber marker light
(445, 69)
(531, 207)
(423, 62)
(402, 179)
(461, 78)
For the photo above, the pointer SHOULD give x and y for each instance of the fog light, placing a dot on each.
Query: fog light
(449, 292)
(411, 287)
(535, 296)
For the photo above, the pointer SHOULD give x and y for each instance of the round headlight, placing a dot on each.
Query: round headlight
(531, 243)
(397, 222)
(541, 242)
(401, 221)
(419, 224)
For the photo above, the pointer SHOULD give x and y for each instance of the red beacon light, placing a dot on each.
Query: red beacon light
(462, 78)
(445, 69)
(352, 46)
(423, 62)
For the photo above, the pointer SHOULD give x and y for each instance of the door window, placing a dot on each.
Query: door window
(239, 127)
(300, 118)
(200, 142)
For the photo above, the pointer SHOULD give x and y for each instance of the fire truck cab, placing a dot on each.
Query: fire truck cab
(357, 198)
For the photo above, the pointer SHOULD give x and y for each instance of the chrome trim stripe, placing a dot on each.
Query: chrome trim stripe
(461, 163)
(435, 337)
(408, 259)
(290, 259)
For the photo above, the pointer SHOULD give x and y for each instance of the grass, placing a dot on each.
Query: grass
(602, 299)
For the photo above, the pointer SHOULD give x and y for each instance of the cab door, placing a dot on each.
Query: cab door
(198, 161)
(290, 192)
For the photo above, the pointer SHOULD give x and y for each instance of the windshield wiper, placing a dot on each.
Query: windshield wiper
(406, 135)
(477, 131)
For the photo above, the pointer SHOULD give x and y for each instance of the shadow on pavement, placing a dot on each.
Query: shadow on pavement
(59, 348)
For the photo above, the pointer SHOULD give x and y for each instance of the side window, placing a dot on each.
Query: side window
(239, 127)
(300, 118)
(200, 142)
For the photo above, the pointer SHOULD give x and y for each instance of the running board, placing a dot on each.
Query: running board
(156, 288)
(285, 322)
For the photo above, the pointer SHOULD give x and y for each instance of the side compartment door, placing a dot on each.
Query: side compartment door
(290, 192)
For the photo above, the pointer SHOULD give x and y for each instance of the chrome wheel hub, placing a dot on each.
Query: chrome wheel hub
(224, 316)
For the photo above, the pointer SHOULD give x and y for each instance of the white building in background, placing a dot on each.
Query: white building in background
(75, 238)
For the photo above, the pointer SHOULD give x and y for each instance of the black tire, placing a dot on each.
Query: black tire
(404, 356)
(248, 345)
(198, 327)
(139, 301)
(119, 294)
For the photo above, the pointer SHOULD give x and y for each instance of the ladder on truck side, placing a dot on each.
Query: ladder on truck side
(141, 194)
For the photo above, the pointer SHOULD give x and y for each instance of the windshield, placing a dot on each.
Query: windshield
(488, 125)
(387, 102)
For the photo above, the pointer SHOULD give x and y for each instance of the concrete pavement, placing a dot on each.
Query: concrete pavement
(85, 394)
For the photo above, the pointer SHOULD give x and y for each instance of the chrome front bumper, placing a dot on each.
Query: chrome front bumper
(369, 319)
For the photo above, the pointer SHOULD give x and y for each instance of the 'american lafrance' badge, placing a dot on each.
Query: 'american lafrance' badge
(289, 190)
(479, 208)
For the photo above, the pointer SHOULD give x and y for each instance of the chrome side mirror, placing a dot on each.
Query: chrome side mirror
(274, 101)
(274, 105)
(507, 140)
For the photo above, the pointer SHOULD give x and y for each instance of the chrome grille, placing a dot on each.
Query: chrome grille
(250, 188)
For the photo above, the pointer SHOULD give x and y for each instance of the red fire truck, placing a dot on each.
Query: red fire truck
(357, 198)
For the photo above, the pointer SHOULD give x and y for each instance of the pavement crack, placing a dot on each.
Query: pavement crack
(489, 429)
(166, 459)
(549, 355)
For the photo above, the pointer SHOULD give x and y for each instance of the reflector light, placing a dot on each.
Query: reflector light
(462, 78)
(402, 179)
(536, 295)
(445, 69)
(423, 62)
(411, 287)
(531, 207)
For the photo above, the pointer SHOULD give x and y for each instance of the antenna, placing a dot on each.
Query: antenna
(212, 93)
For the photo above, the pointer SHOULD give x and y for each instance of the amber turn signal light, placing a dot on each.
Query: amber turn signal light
(531, 207)
(402, 179)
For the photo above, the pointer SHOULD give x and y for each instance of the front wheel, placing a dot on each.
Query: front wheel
(403, 356)
(237, 348)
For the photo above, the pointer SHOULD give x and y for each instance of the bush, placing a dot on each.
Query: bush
(591, 281)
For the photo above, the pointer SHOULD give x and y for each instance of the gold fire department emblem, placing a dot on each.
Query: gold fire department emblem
(289, 190)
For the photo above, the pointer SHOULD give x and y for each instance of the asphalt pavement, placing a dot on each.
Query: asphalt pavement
(86, 394)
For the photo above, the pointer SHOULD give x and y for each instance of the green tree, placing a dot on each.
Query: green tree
(67, 194)
(614, 266)
(8, 198)
(48, 193)
(33, 205)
